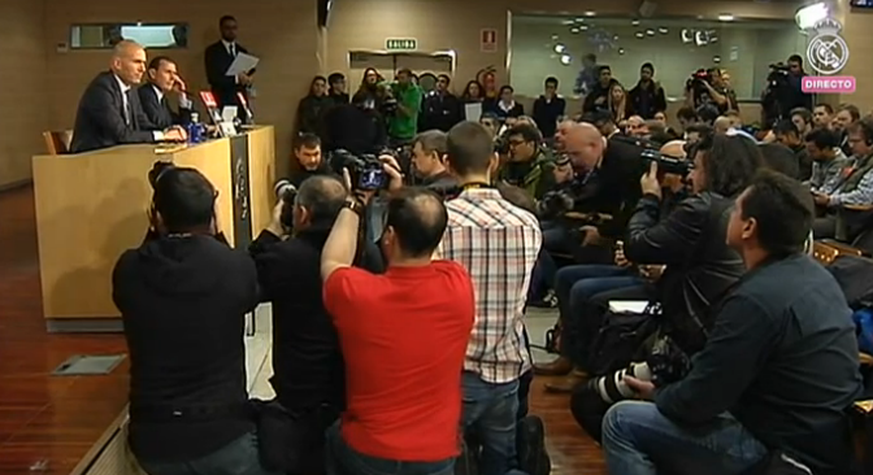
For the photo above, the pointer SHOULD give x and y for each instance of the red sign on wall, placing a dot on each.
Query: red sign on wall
(488, 40)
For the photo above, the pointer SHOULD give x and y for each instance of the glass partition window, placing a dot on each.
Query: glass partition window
(545, 46)
(103, 36)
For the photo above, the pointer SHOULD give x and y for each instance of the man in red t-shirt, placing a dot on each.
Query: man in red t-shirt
(403, 336)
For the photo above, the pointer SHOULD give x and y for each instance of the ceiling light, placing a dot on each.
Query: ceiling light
(808, 16)
(560, 48)
(567, 22)
(614, 37)
(566, 59)
(716, 59)
(663, 30)
(621, 51)
(635, 23)
(580, 20)
(590, 13)
(650, 32)
(725, 17)
(574, 30)
(640, 35)
(554, 37)
(583, 27)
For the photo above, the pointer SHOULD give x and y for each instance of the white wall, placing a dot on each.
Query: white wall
(533, 58)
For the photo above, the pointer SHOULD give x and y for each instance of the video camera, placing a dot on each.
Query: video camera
(698, 80)
(365, 170)
(778, 75)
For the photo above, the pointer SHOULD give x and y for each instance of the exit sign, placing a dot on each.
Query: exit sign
(401, 44)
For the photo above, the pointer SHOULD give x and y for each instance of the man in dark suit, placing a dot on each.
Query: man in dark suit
(163, 80)
(110, 113)
(219, 56)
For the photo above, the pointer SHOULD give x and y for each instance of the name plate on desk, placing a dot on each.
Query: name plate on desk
(239, 176)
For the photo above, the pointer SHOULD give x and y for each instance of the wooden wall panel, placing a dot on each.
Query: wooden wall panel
(22, 96)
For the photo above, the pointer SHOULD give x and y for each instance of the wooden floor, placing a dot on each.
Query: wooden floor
(48, 424)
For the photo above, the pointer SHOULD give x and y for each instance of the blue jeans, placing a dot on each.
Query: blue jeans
(543, 276)
(340, 459)
(240, 457)
(489, 413)
(639, 440)
(575, 286)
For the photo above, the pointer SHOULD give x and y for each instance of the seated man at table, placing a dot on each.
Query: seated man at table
(183, 297)
(110, 113)
(164, 80)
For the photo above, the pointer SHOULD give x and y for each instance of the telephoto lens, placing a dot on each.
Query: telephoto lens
(284, 189)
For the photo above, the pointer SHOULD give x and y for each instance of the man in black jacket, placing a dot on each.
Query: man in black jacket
(647, 97)
(308, 369)
(549, 108)
(441, 109)
(183, 297)
(778, 374)
(218, 57)
(163, 80)
(110, 112)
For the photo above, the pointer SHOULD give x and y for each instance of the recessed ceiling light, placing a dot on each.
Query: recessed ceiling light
(583, 27)
(574, 30)
(590, 13)
(566, 59)
(554, 37)
(559, 48)
(567, 22)
(650, 32)
(635, 23)
(621, 51)
(663, 30)
(725, 17)
(640, 35)
(614, 37)
(580, 20)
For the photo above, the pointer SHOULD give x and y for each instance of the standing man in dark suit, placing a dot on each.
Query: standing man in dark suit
(219, 56)
(163, 80)
(110, 113)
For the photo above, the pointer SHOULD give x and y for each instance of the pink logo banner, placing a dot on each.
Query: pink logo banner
(828, 84)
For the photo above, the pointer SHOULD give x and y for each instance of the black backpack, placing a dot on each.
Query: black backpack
(620, 340)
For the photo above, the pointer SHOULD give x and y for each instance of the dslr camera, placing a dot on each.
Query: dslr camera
(365, 170)
(667, 163)
(286, 192)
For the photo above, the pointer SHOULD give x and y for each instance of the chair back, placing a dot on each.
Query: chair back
(57, 142)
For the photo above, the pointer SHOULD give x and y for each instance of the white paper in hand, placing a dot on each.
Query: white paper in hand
(628, 306)
(243, 63)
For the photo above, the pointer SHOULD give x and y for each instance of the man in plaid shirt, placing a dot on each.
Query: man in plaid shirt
(498, 244)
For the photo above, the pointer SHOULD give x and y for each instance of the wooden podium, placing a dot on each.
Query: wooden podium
(91, 207)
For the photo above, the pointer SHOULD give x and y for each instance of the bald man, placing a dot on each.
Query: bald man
(110, 113)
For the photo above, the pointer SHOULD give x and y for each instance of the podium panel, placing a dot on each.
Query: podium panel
(91, 207)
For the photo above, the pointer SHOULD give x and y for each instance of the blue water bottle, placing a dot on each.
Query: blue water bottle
(195, 131)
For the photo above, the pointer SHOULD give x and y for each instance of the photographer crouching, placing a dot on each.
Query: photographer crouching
(308, 370)
(771, 389)
(183, 295)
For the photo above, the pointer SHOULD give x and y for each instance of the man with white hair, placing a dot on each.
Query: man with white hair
(110, 112)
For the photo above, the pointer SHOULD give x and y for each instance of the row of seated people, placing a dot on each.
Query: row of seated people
(682, 261)
(375, 370)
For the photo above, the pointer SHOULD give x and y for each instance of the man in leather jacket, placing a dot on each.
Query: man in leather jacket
(701, 268)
